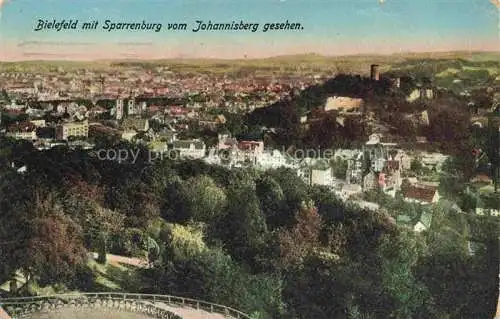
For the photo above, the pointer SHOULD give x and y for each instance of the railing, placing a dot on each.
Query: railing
(147, 303)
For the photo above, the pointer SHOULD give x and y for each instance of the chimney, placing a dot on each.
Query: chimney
(374, 72)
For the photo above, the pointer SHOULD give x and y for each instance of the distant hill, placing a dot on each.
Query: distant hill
(227, 65)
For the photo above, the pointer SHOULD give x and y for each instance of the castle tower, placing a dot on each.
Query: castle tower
(131, 107)
(374, 72)
(101, 82)
(119, 109)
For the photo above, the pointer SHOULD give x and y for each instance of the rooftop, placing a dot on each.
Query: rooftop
(421, 193)
(22, 127)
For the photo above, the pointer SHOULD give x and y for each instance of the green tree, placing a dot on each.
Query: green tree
(243, 228)
(302, 239)
(295, 193)
(416, 166)
(52, 243)
(102, 248)
(399, 256)
(205, 199)
(339, 168)
(182, 241)
(272, 200)
(213, 276)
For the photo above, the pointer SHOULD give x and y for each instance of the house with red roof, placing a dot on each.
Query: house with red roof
(22, 130)
(423, 194)
(254, 147)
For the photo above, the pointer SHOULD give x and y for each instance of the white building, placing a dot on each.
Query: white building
(487, 212)
(14, 106)
(403, 159)
(194, 149)
(39, 123)
(343, 103)
(345, 154)
(133, 108)
(420, 93)
(271, 160)
(76, 129)
(23, 135)
(433, 160)
(119, 109)
(321, 177)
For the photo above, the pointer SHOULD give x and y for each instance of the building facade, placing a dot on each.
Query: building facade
(75, 129)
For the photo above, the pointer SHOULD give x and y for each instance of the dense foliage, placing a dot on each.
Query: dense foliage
(264, 243)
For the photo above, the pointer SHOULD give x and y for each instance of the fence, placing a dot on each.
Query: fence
(146, 303)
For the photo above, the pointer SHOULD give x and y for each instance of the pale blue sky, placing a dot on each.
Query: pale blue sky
(344, 24)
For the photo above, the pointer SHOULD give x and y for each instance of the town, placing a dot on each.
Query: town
(380, 139)
(159, 108)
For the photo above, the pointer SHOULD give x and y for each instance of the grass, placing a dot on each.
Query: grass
(101, 275)
(19, 279)
(491, 71)
(448, 72)
(112, 277)
(157, 145)
(108, 277)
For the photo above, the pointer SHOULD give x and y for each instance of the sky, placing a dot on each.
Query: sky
(329, 27)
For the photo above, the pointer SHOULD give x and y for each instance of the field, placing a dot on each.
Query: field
(306, 63)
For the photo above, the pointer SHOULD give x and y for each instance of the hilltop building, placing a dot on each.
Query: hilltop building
(343, 103)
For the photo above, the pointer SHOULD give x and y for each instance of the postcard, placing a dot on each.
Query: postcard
(265, 159)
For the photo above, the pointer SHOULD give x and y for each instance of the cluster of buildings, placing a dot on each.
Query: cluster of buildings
(75, 107)
(241, 92)
(55, 105)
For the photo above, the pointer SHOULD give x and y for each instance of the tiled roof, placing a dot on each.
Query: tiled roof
(103, 129)
(248, 145)
(420, 193)
(481, 178)
(134, 124)
(22, 127)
